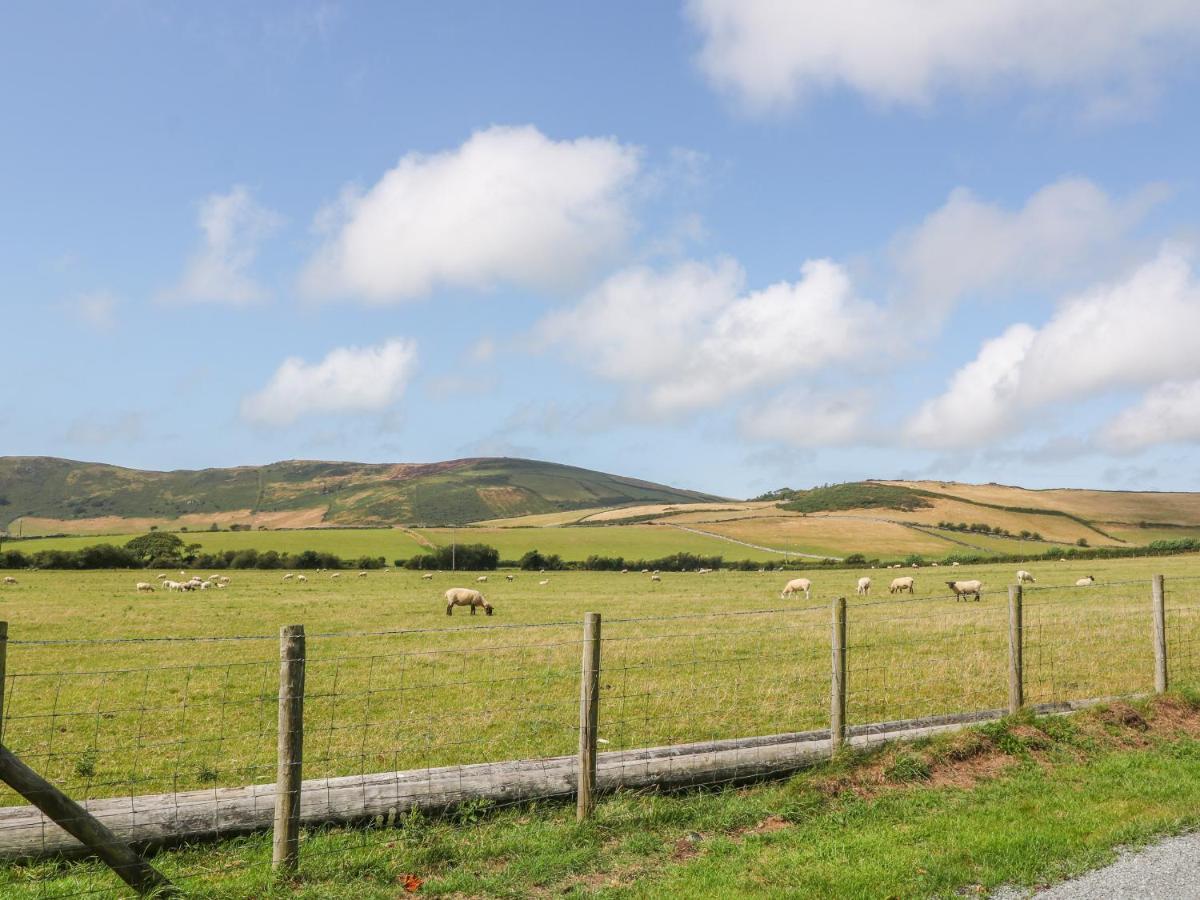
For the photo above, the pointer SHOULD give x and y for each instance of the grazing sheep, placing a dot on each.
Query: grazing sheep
(466, 597)
(954, 563)
(302, 578)
(288, 577)
(1087, 581)
(964, 589)
(624, 571)
(1024, 577)
(336, 575)
(916, 565)
(510, 577)
(428, 576)
(656, 577)
(797, 584)
(8, 579)
(645, 571)
(482, 578)
(160, 576)
(362, 574)
(544, 582)
(864, 586)
(900, 585)
(144, 587)
(172, 585)
(703, 571)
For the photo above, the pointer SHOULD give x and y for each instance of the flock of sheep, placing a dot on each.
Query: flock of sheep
(961, 588)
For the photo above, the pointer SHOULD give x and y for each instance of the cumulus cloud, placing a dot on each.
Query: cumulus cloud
(96, 309)
(234, 226)
(347, 380)
(508, 206)
(1168, 413)
(807, 417)
(689, 338)
(772, 54)
(1137, 332)
(968, 245)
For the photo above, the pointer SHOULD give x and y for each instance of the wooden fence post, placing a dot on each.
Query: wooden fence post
(83, 826)
(589, 713)
(837, 704)
(3, 673)
(1016, 650)
(1160, 634)
(286, 847)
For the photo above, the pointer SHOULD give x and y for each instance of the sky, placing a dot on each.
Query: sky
(728, 245)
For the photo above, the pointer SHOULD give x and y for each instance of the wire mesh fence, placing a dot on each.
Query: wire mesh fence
(174, 741)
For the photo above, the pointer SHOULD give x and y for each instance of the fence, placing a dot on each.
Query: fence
(175, 740)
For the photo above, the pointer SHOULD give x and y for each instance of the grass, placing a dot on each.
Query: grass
(856, 495)
(418, 689)
(1022, 802)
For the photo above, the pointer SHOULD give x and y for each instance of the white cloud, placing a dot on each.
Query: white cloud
(1168, 413)
(483, 350)
(773, 54)
(234, 227)
(347, 380)
(807, 417)
(97, 309)
(967, 245)
(1137, 332)
(688, 338)
(509, 205)
(981, 398)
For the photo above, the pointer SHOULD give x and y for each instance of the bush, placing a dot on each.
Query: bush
(471, 557)
(534, 561)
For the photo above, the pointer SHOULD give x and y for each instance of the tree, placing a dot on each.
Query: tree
(155, 545)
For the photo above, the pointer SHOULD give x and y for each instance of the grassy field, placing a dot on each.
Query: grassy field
(1022, 803)
(629, 541)
(394, 684)
(349, 543)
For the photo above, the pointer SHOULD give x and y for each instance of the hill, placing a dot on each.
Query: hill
(51, 495)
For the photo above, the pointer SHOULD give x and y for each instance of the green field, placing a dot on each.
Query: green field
(393, 684)
(349, 543)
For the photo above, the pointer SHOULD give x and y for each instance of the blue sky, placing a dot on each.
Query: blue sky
(724, 245)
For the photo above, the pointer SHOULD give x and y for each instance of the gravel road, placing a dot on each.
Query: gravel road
(1168, 870)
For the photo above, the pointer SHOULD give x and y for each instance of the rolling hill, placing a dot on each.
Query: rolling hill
(58, 495)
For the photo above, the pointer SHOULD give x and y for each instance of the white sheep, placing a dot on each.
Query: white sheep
(900, 585)
(656, 577)
(8, 579)
(428, 576)
(795, 585)
(510, 577)
(303, 579)
(482, 578)
(466, 597)
(964, 589)
(362, 574)
(1024, 577)
(544, 582)
(336, 575)
(864, 586)
(1086, 581)
(288, 577)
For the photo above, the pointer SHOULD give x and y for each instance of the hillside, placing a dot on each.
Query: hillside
(52, 495)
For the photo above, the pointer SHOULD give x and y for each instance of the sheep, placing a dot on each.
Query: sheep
(1086, 581)
(428, 576)
(645, 571)
(288, 577)
(303, 579)
(362, 574)
(482, 578)
(624, 571)
(797, 584)
(656, 577)
(336, 575)
(916, 565)
(544, 582)
(8, 579)
(204, 585)
(172, 585)
(954, 563)
(900, 585)
(1024, 577)
(864, 586)
(160, 576)
(510, 577)
(703, 571)
(962, 589)
(466, 597)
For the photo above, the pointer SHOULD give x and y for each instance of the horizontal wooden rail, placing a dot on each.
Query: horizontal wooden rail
(156, 820)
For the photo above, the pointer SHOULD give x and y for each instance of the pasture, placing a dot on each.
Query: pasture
(110, 692)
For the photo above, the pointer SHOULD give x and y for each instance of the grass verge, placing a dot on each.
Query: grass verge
(1023, 801)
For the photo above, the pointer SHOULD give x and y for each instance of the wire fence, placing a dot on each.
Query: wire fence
(174, 741)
